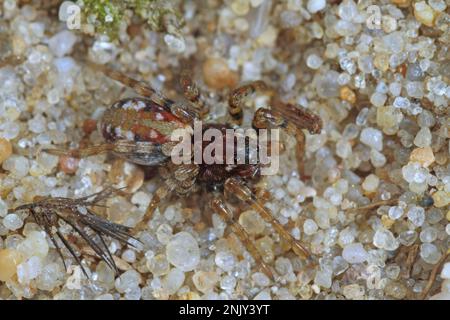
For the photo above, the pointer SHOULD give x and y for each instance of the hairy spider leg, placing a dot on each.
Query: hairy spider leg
(219, 206)
(243, 193)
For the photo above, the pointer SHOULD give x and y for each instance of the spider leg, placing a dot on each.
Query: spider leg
(144, 90)
(178, 178)
(219, 207)
(106, 249)
(58, 249)
(81, 153)
(293, 120)
(139, 87)
(185, 113)
(72, 252)
(243, 193)
(140, 152)
(111, 229)
(192, 93)
(237, 98)
(101, 252)
(45, 222)
(161, 193)
(300, 117)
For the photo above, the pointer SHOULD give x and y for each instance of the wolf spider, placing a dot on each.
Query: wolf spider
(138, 130)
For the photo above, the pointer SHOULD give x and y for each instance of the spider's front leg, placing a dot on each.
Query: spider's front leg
(139, 87)
(184, 113)
(219, 207)
(237, 98)
(281, 115)
(243, 193)
(293, 120)
(192, 93)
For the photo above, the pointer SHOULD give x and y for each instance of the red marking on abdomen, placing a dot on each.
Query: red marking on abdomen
(149, 134)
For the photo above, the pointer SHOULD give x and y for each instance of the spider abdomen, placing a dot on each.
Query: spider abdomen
(139, 119)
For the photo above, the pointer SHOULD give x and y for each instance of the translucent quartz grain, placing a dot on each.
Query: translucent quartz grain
(29, 269)
(217, 74)
(395, 212)
(128, 281)
(370, 183)
(240, 7)
(441, 198)
(5, 149)
(225, 260)
(428, 234)
(173, 281)
(430, 253)
(354, 253)
(424, 13)
(205, 280)
(252, 222)
(18, 165)
(309, 227)
(263, 295)
(105, 275)
(183, 252)
(164, 233)
(396, 290)
(340, 264)
(424, 156)
(61, 43)
(228, 283)
(445, 273)
(35, 244)
(373, 138)
(314, 6)
(416, 215)
(314, 61)
(384, 239)
(423, 138)
(9, 260)
(129, 256)
(343, 149)
(3, 208)
(50, 276)
(12, 221)
(175, 43)
(323, 278)
(261, 279)
(353, 291)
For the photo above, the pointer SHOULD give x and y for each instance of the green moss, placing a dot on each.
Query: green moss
(104, 15)
(159, 14)
(107, 15)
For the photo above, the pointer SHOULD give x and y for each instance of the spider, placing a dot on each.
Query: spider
(138, 129)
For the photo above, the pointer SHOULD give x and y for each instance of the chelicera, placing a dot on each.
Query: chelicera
(138, 129)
